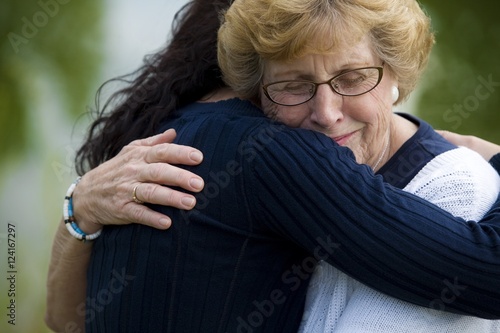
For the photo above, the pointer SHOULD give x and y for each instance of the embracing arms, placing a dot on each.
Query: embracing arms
(390, 240)
(104, 196)
(143, 162)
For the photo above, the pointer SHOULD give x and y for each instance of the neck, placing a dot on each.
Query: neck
(218, 95)
(400, 131)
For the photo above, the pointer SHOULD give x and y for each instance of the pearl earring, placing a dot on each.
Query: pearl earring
(395, 94)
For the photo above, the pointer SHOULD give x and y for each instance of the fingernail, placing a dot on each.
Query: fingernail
(196, 156)
(165, 222)
(188, 202)
(196, 183)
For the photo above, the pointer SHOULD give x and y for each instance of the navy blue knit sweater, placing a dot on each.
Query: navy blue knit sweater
(276, 200)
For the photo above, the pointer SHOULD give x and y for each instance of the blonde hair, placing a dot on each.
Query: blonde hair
(253, 31)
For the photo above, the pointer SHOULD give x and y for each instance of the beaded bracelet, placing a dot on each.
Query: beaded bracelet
(69, 219)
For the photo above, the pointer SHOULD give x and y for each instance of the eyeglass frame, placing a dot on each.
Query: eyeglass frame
(329, 82)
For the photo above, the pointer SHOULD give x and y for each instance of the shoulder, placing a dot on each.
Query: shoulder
(278, 143)
(421, 148)
(426, 137)
(232, 112)
(459, 181)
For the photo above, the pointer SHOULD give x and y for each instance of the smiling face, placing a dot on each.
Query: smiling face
(361, 123)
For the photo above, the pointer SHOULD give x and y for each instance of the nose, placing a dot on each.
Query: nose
(326, 107)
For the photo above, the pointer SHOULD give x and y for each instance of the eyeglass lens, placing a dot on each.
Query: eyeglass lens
(351, 83)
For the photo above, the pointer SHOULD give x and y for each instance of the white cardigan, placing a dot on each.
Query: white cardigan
(459, 181)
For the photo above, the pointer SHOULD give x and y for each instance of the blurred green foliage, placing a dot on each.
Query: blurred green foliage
(59, 43)
(61, 38)
(461, 88)
(50, 56)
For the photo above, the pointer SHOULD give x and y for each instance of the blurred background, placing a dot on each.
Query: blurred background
(54, 54)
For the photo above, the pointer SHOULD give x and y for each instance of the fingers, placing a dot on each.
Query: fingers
(457, 139)
(165, 137)
(162, 150)
(450, 136)
(144, 163)
(161, 195)
(146, 216)
(485, 148)
(166, 174)
(443, 133)
(174, 154)
(169, 135)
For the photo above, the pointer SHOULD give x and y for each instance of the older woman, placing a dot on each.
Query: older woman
(277, 200)
(338, 67)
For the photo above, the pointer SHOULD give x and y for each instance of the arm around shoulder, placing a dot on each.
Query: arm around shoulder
(388, 239)
(485, 148)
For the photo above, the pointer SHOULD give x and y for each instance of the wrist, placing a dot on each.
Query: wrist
(81, 212)
(69, 218)
(87, 226)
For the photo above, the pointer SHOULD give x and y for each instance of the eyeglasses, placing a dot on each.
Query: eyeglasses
(354, 82)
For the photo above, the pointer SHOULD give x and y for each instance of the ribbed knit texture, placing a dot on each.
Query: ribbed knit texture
(459, 181)
(274, 200)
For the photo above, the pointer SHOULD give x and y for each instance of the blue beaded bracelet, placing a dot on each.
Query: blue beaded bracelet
(69, 219)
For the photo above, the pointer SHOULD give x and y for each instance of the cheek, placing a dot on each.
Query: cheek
(363, 110)
(376, 109)
(375, 113)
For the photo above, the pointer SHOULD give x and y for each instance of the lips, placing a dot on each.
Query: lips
(342, 140)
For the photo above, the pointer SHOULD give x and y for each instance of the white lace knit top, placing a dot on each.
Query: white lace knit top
(459, 181)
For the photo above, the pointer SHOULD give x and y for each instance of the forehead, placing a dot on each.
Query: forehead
(345, 56)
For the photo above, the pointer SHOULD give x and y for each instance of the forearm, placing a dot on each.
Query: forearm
(387, 239)
(66, 282)
(485, 148)
(104, 196)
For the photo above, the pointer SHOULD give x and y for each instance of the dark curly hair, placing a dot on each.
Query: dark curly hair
(181, 73)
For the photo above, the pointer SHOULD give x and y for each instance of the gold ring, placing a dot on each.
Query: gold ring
(134, 196)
